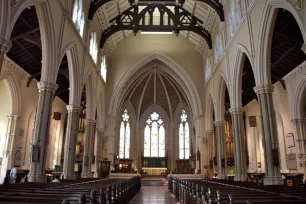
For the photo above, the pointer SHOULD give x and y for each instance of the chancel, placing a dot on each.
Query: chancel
(142, 101)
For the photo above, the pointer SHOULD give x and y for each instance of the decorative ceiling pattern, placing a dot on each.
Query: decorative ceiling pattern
(197, 8)
(155, 87)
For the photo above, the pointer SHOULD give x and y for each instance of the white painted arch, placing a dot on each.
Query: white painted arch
(262, 73)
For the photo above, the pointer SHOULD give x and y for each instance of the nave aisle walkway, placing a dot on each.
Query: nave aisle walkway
(154, 191)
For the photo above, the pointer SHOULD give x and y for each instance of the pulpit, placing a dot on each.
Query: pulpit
(104, 168)
(183, 166)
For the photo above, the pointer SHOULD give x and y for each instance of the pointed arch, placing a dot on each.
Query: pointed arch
(220, 109)
(14, 91)
(90, 96)
(48, 41)
(240, 54)
(171, 67)
(75, 91)
(263, 74)
(297, 101)
(209, 112)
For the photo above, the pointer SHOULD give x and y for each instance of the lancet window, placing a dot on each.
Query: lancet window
(184, 138)
(78, 16)
(125, 136)
(103, 68)
(154, 137)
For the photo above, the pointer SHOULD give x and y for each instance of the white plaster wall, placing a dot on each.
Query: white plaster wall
(5, 110)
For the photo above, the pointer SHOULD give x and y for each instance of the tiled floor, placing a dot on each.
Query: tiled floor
(154, 195)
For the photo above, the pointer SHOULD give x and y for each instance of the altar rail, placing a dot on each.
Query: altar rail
(123, 175)
(186, 176)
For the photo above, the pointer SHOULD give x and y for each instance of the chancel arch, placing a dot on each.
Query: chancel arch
(156, 89)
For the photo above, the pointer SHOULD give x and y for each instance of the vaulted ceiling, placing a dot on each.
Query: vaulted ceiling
(155, 87)
(199, 9)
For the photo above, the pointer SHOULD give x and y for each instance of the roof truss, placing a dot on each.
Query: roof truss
(179, 20)
(215, 4)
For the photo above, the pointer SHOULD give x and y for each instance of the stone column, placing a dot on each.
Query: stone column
(41, 132)
(99, 150)
(5, 46)
(239, 144)
(70, 141)
(264, 93)
(88, 147)
(219, 125)
(209, 138)
(300, 128)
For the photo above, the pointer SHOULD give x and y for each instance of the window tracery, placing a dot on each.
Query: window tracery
(154, 137)
(125, 136)
(184, 138)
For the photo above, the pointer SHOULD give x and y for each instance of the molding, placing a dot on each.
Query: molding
(236, 110)
(298, 120)
(5, 45)
(264, 89)
(304, 48)
(90, 122)
(16, 67)
(47, 86)
(219, 123)
(296, 71)
(73, 109)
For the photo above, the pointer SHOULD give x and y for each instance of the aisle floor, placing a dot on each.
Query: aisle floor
(154, 195)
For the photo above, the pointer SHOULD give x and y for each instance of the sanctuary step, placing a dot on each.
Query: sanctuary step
(154, 181)
(202, 191)
(98, 191)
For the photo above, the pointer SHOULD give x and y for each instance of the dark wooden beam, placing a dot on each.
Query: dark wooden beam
(181, 18)
(284, 55)
(94, 6)
(27, 52)
(25, 33)
(217, 6)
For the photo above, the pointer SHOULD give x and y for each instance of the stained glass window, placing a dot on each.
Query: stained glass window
(78, 16)
(184, 143)
(93, 47)
(125, 136)
(154, 137)
(103, 68)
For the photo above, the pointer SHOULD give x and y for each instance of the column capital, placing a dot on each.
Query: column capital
(47, 86)
(236, 110)
(298, 120)
(222, 26)
(5, 45)
(210, 52)
(71, 108)
(13, 116)
(90, 122)
(264, 89)
(219, 123)
(303, 48)
(99, 130)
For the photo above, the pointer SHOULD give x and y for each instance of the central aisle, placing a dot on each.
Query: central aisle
(154, 191)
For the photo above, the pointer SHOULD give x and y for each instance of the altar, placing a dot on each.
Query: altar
(154, 171)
